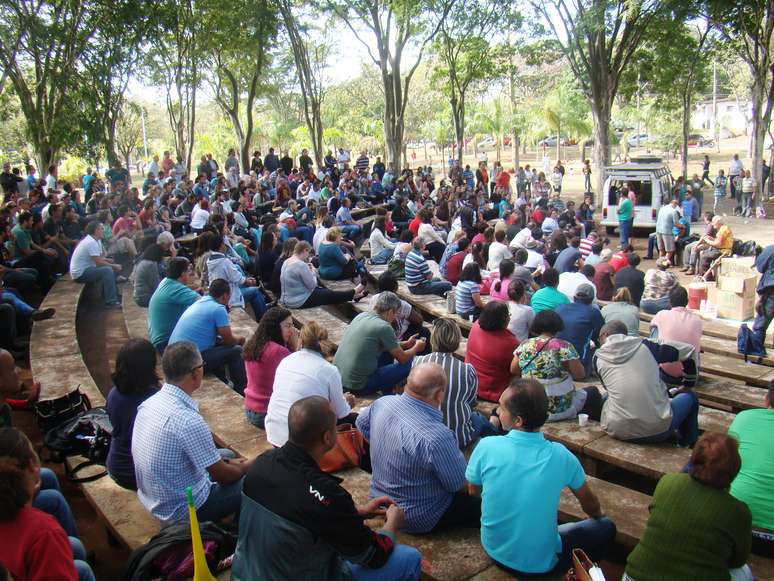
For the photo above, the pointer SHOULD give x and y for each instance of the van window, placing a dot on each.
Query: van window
(643, 190)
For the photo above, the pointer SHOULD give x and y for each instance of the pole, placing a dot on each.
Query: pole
(715, 128)
(144, 136)
(638, 108)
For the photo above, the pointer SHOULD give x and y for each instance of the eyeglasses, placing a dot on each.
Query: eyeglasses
(195, 367)
(286, 325)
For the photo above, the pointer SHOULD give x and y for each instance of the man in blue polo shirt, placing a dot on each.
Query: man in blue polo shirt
(206, 324)
(520, 477)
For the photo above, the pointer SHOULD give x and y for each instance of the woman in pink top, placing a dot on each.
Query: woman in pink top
(499, 290)
(274, 339)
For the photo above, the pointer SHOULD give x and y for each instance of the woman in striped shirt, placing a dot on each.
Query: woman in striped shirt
(459, 402)
(468, 293)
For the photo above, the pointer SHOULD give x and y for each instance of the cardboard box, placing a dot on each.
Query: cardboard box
(744, 264)
(736, 306)
(738, 282)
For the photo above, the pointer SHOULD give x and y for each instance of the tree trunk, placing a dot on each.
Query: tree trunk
(558, 142)
(686, 130)
(458, 117)
(600, 111)
(515, 150)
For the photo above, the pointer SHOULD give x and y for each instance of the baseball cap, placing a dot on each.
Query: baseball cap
(585, 291)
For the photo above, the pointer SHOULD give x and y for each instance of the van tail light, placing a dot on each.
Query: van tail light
(604, 213)
(653, 213)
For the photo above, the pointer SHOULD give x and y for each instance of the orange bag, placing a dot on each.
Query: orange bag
(347, 452)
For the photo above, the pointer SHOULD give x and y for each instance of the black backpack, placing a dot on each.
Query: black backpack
(87, 434)
(748, 248)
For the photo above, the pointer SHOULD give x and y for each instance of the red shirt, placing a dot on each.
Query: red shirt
(618, 261)
(414, 225)
(490, 353)
(503, 179)
(36, 548)
(603, 280)
(454, 267)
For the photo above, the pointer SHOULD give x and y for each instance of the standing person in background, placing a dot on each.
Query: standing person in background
(705, 171)
(587, 176)
(721, 181)
(625, 211)
(734, 171)
(764, 310)
(748, 194)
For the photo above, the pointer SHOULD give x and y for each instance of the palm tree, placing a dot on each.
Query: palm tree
(494, 120)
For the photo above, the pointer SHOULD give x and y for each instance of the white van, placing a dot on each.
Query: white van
(651, 181)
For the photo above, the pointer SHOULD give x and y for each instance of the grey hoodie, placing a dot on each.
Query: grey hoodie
(218, 266)
(637, 404)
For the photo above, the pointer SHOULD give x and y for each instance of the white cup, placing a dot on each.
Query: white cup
(583, 420)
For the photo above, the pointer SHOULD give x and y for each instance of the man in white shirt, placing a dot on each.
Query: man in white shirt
(154, 167)
(343, 159)
(522, 237)
(88, 265)
(570, 281)
(498, 251)
(51, 179)
(734, 171)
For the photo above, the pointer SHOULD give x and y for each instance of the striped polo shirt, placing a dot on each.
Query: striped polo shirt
(460, 396)
(463, 296)
(416, 269)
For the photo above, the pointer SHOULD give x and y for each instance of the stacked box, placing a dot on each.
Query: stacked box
(735, 295)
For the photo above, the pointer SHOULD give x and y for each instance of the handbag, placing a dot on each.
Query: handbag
(583, 569)
(51, 413)
(347, 452)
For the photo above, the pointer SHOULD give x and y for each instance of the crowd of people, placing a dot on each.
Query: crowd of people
(550, 301)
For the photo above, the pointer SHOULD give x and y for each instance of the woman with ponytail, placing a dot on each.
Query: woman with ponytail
(499, 290)
(302, 374)
(34, 547)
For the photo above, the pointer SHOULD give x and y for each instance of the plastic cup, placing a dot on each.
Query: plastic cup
(583, 420)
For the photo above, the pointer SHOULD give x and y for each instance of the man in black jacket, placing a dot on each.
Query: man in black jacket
(297, 522)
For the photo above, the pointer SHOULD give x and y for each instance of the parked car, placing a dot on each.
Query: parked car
(487, 143)
(638, 140)
(551, 141)
(698, 140)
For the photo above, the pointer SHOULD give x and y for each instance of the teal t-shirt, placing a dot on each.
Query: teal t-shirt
(168, 302)
(625, 211)
(522, 476)
(547, 299)
(367, 336)
(22, 241)
(199, 323)
(332, 261)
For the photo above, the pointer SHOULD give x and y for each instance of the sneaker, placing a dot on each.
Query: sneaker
(120, 279)
(42, 314)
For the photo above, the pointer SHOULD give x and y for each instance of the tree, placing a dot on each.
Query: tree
(464, 52)
(41, 42)
(598, 37)
(174, 62)
(310, 58)
(396, 26)
(495, 120)
(237, 40)
(747, 26)
(566, 111)
(129, 131)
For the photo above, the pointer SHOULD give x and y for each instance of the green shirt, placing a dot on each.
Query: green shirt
(625, 210)
(694, 531)
(367, 336)
(167, 304)
(22, 241)
(754, 485)
(547, 299)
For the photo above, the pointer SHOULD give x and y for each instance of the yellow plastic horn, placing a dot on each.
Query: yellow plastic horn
(201, 569)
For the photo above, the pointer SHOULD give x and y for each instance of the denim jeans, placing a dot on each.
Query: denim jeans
(386, 377)
(50, 500)
(10, 297)
(224, 499)
(253, 295)
(258, 419)
(382, 257)
(433, 287)
(217, 358)
(624, 227)
(651, 245)
(482, 426)
(105, 276)
(350, 231)
(685, 420)
(405, 563)
(653, 306)
(79, 556)
(764, 316)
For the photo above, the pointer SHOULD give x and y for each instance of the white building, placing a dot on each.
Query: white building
(733, 117)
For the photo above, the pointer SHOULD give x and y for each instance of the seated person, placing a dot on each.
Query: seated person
(696, 529)
(281, 520)
(638, 408)
(419, 278)
(169, 301)
(368, 352)
(134, 381)
(416, 457)
(548, 297)
(632, 278)
(34, 545)
(408, 320)
(241, 288)
(298, 280)
(334, 264)
(381, 246)
(147, 275)
(754, 485)
(459, 403)
(678, 324)
(604, 274)
(622, 309)
(456, 260)
(582, 322)
(467, 295)
(173, 449)
(345, 222)
(88, 264)
(518, 522)
(659, 282)
(489, 349)
(206, 324)
(570, 281)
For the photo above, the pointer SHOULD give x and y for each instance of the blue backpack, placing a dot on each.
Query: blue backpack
(749, 343)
